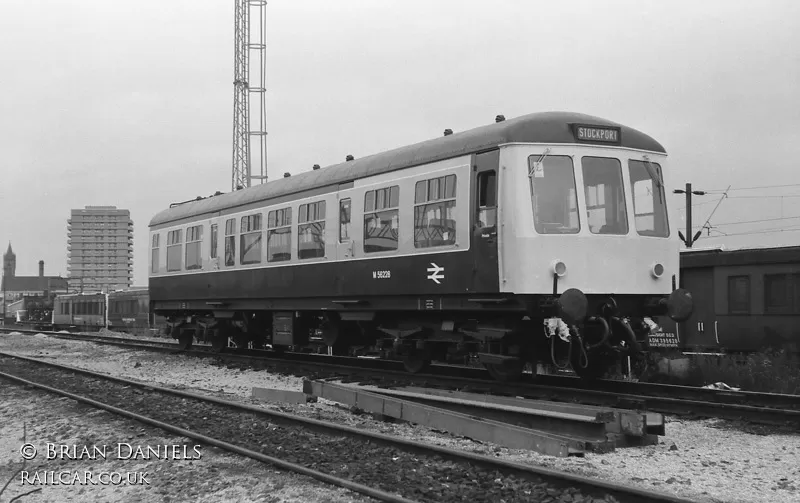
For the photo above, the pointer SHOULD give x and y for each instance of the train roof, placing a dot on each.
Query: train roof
(544, 127)
(714, 257)
(79, 295)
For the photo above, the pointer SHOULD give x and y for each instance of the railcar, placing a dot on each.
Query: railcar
(745, 300)
(129, 311)
(543, 238)
(33, 311)
(80, 311)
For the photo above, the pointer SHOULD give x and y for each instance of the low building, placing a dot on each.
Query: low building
(16, 287)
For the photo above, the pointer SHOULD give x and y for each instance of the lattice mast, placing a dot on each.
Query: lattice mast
(249, 78)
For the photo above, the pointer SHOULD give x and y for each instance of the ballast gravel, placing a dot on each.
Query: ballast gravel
(419, 477)
(39, 418)
(705, 460)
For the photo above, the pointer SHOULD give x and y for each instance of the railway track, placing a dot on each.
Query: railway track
(765, 408)
(380, 466)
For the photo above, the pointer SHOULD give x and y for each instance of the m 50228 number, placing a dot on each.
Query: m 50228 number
(381, 274)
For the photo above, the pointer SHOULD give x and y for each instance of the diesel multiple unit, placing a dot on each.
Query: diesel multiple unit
(543, 238)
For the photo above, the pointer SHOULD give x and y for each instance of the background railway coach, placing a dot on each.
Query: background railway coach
(129, 311)
(80, 311)
(541, 238)
(745, 300)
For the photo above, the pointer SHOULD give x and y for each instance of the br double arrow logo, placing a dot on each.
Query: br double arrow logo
(436, 273)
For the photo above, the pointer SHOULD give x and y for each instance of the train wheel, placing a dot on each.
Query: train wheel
(185, 340)
(330, 332)
(505, 372)
(219, 340)
(416, 361)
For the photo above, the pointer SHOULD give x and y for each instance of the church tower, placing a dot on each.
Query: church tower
(9, 262)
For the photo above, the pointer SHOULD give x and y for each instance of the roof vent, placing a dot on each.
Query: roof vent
(349, 158)
(287, 175)
(448, 132)
(500, 118)
(316, 167)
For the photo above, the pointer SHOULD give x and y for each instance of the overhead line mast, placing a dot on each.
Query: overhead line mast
(249, 69)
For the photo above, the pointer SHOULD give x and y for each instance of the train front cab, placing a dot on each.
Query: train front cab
(585, 236)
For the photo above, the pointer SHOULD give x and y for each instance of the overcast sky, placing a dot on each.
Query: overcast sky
(130, 103)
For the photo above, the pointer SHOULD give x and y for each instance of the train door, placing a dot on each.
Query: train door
(699, 330)
(485, 269)
(345, 246)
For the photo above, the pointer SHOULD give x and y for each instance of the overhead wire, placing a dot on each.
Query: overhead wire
(792, 228)
(757, 188)
(752, 221)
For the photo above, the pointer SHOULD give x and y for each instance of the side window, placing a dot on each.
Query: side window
(782, 293)
(279, 235)
(434, 212)
(250, 245)
(311, 230)
(174, 240)
(344, 220)
(194, 243)
(214, 243)
(487, 199)
(739, 294)
(230, 242)
(649, 203)
(153, 255)
(381, 219)
(605, 197)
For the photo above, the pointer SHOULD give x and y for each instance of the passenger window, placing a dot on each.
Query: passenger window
(174, 240)
(553, 194)
(153, 255)
(214, 238)
(739, 294)
(344, 220)
(434, 212)
(311, 230)
(279, 235)
(381, 219)
(230, 242)
(487, 199)
(250, 246)
(605, 198)
(194, 241)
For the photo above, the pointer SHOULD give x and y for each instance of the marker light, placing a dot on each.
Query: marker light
(559, 268)
(657, 270)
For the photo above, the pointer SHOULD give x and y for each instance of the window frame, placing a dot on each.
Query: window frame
(250, 225)
(540, 227)
(623, 211)
(213, 251)
(791, 294)
(230, 242)
(194, 243)
(665, 210)
(279, 223)
(154, 252)
(307, 211)
(735, 304)
(345, 238)
(175, 240)
(378, 204)
(425, 201)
